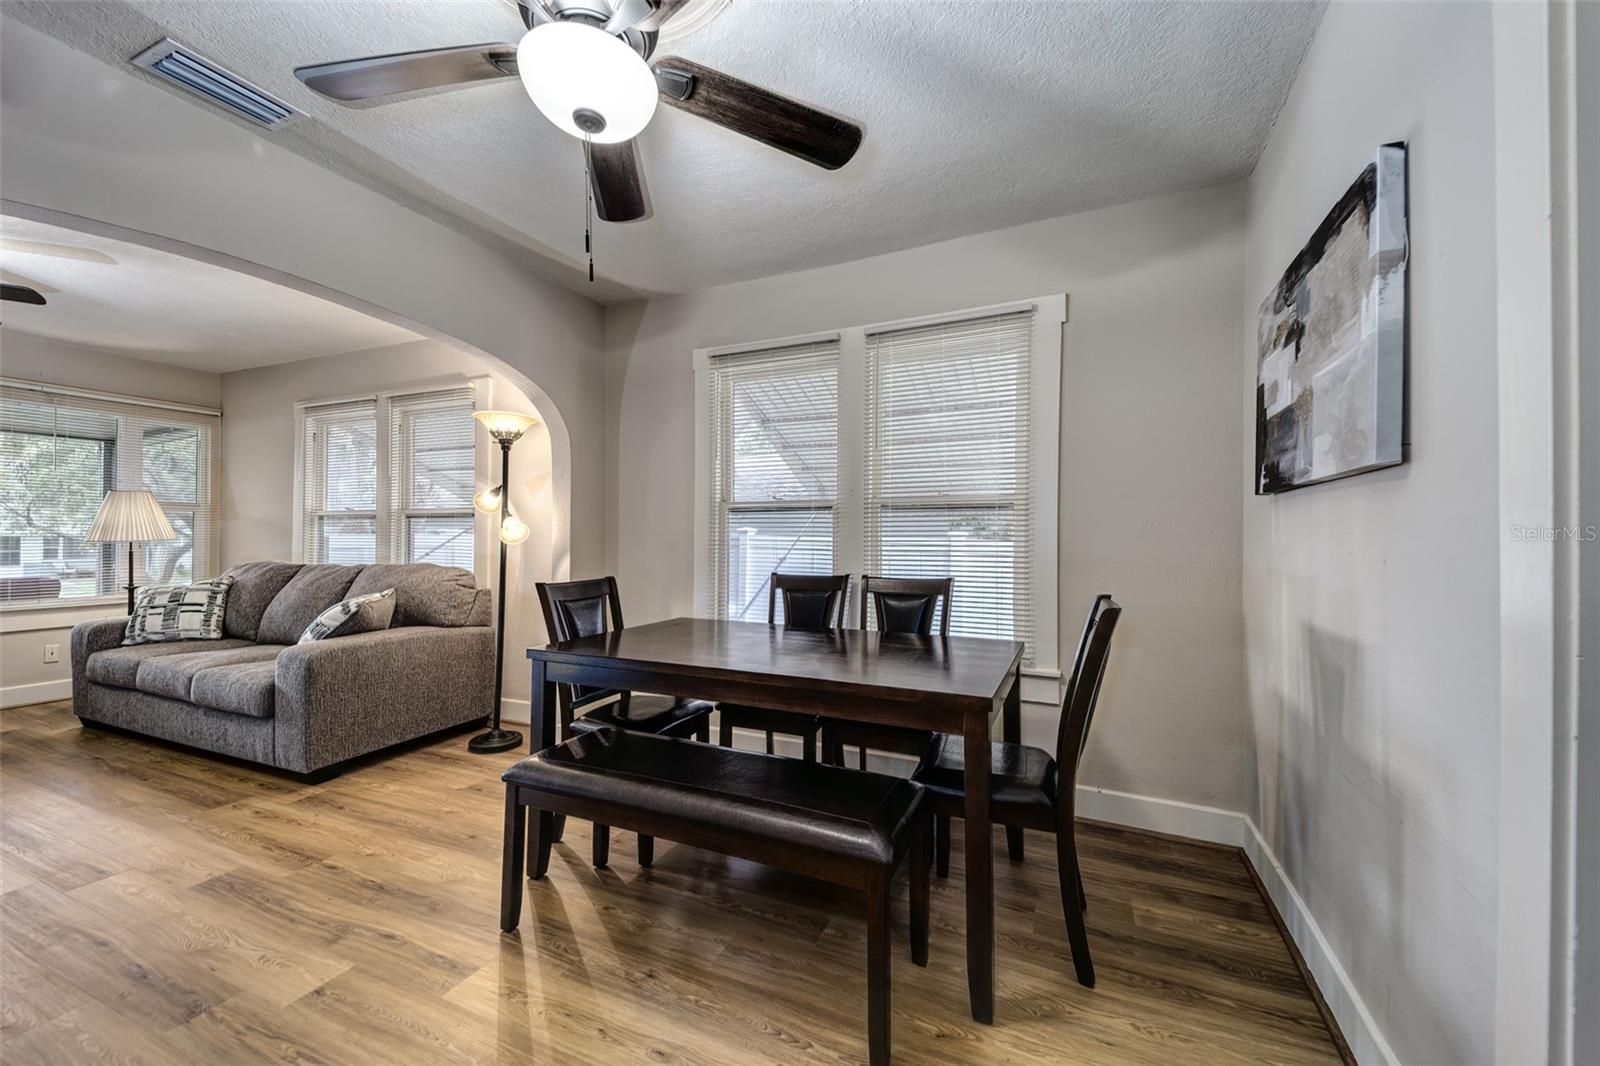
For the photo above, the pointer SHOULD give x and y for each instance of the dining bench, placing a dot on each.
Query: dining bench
(843, 826)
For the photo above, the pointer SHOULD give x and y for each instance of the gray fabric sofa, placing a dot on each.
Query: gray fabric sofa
(259, 696)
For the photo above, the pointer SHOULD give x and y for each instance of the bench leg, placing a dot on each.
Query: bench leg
(921, 852)
(602, 845)
(942, 843)
(1014, 842)
(541, 834)
(511, 862)
(647, 850)
(878, 922)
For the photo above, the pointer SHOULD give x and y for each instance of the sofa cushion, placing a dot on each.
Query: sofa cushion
(173, 675)
(255, 585)
(310, 592)
(120, 666)
(248, 689)
(425, 594)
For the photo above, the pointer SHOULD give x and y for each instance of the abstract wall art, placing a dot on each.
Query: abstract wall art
(1331, 341)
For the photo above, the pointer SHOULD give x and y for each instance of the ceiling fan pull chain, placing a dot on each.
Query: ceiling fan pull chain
(588, 202)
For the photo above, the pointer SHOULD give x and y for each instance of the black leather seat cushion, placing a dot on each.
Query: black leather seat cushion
(822, 809)
(1019, 775)
(646, 714)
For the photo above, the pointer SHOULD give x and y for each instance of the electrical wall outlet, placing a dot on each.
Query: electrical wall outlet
(52, 653)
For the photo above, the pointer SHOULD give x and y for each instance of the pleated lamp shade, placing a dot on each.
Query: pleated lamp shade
(130, 515)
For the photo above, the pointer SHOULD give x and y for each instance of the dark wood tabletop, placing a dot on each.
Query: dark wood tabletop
(895, 678)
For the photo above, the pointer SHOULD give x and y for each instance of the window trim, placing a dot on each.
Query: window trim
(1050, 316)
(384, 524)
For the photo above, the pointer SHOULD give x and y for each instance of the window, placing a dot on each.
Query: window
(61, 452)
(948, 451)
(10, 550)
(775, 420)
(403, 495)
(923, 448)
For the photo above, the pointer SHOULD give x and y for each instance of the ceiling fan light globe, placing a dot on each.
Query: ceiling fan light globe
(571, 67)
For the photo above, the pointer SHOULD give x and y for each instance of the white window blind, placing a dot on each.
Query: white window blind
(339, 482)
(431, 477)
(948, 479)
(775, 471)
(400, 495)
(61, 453)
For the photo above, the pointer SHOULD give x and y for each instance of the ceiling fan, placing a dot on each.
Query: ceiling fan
(586, 65)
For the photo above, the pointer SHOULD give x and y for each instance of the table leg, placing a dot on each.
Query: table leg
(541, 735)
(1011, 733)
(980, 868)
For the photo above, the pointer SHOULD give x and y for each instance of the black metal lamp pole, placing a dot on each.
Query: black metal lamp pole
(497, 739)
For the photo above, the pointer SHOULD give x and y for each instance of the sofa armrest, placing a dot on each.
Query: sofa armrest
(344, 697)
(88, 638)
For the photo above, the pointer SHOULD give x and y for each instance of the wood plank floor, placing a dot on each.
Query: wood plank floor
(160, 907)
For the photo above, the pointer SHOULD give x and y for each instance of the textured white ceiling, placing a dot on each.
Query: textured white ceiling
(169, 309)
(977, 116)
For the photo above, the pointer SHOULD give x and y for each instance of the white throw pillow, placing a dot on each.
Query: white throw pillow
(178, 612)
(359, 614)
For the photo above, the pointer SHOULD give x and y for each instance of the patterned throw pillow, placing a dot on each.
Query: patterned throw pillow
(359, 614)
(179, 612)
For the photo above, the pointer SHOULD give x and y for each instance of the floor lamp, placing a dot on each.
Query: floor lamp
(506, 428)
(131, 515)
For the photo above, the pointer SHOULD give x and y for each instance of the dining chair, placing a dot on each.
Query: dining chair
(1030, 789)
(591, 608)
(810, 601)
(898, 605)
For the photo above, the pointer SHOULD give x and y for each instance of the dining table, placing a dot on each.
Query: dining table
(955, 685)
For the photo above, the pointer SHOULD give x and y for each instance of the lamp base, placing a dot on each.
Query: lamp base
(494, 740)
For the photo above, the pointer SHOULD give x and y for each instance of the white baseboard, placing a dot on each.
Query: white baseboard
(39, 692)
(1173, 817)
(1360, 1030)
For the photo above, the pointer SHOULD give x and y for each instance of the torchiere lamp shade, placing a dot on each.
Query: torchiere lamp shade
(130, 515)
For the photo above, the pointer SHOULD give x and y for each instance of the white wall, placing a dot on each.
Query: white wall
(24, 632)
(82, 140)
(1150, 492)
(258, 450)
(1371, 604)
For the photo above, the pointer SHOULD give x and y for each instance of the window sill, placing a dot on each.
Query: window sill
(32, 617)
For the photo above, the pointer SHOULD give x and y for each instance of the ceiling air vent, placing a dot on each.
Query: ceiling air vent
(188, 70)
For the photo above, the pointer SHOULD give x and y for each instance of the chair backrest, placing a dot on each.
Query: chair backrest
(810, 601)
(574, 609)
(1083, 688)
(907, 604)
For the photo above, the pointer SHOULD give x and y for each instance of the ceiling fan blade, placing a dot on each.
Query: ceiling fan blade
(665, 9)
(21, 294)
(364, 79)
(774, 120)
(618, 182)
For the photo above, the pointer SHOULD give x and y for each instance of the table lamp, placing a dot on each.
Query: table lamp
(131, 515)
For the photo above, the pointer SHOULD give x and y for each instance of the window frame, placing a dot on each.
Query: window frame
(122, 464)
(1041, 680)
(390, 524)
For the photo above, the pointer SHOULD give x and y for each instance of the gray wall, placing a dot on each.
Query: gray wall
(1150, 487)
(1371, 604)
(258, 449)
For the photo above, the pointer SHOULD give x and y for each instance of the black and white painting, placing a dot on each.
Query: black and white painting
(1331, 354)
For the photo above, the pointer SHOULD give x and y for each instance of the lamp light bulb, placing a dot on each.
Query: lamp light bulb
(487, 501)
(587, 81)
(513, 530)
